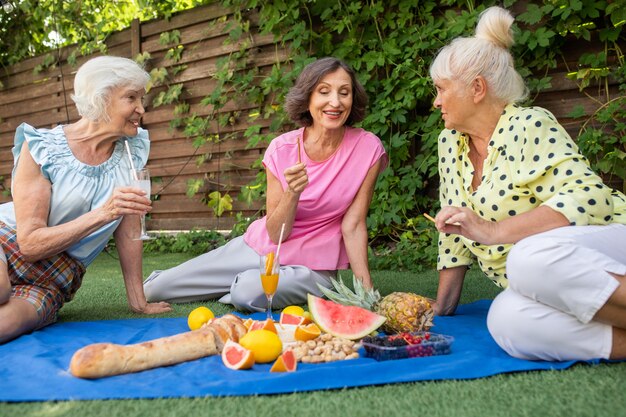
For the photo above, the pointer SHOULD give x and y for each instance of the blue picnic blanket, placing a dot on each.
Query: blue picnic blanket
(34, 367)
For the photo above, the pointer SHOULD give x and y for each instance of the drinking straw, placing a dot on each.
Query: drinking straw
(299, 160)
(130, 159)
(280, 239)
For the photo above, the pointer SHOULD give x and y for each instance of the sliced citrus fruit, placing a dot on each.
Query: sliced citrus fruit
(248, 322)
(286, 318)
(269, 263)
(285, 363)
(265, 345)
(236, 356)
(307, 332)
(263, 325)
(294, 310)
(199, 317)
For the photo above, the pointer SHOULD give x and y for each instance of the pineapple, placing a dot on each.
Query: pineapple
(405, 312)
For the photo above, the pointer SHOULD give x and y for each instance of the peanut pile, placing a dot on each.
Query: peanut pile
(325, 348)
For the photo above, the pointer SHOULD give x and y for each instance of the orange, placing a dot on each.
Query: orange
(248, 322)
(236, 356)
(263, 325)
(285, 362)
(269, 263)
(307, 332)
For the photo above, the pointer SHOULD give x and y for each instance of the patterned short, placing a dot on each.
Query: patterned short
(47, 284)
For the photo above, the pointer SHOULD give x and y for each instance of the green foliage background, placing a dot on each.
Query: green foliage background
(390, 43)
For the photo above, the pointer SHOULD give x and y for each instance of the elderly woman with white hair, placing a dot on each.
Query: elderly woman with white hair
(70, 194)
(517, 196)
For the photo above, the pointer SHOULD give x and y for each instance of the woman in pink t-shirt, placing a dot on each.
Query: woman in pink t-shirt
(320, 181)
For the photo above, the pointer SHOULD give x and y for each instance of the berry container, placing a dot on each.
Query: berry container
(434, 344)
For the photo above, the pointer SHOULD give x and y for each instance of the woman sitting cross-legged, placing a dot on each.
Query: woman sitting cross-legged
(320, 180)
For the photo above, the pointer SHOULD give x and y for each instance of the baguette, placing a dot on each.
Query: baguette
(237, 323)
(220, 335)
(108, 359)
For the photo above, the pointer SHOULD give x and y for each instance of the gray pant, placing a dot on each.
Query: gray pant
(232, 273)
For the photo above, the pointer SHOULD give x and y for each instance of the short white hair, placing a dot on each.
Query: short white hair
(97, 77)
(486, 54)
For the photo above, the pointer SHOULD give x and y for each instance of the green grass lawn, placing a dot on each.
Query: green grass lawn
(582, 390)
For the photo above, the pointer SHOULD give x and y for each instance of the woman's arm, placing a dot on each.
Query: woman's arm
(354, 227)
(131, 252)
(281, 204)
(463, 221)
(31, 198)
(449, 290)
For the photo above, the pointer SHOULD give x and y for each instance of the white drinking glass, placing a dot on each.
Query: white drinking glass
(140, 178)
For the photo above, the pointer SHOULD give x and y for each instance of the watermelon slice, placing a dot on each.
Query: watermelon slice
(349, 322)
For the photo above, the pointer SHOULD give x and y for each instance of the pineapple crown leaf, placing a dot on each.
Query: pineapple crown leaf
(344, 295)
(371, 296)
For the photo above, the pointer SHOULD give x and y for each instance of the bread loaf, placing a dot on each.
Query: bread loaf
(107, 359)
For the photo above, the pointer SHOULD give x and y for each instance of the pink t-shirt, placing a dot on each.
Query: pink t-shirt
(316, 240)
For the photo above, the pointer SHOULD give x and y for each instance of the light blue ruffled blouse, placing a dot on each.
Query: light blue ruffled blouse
(77, 188)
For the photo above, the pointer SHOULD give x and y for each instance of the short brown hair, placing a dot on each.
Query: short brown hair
(297, 99)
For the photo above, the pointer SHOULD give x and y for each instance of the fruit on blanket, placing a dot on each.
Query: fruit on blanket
(294, 310)
(298, 311)
(248, 322)
(265, 345)
(307, 332)
(286, 362)
(263, 325)
(286, 318)
(348, 322)
(236, 356)
(198, 317)
(405, 312)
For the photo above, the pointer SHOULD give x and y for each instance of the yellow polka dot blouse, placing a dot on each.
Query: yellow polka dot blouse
(531, 161)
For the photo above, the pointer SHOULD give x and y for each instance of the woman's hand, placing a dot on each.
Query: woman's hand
(125, 201)
(153, 308)
(463, 221)
(297, 178)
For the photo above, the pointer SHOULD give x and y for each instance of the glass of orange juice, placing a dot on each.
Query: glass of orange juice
(269, 266)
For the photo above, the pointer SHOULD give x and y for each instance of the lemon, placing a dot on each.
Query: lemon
(294, 310)
(198, 317)
(265, 345)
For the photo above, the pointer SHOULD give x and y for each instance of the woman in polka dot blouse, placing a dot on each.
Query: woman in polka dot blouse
(518, 197)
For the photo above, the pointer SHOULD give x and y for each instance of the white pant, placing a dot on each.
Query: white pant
(232, 272)
(558, 280)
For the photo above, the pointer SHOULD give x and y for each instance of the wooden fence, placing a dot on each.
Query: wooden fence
(43, 100)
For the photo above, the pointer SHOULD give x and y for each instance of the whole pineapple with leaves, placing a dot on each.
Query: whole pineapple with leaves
(405, 312)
